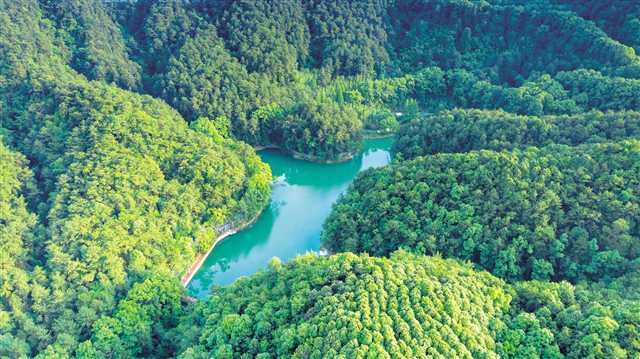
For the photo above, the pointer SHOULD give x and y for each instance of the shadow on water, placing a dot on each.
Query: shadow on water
(302, 196)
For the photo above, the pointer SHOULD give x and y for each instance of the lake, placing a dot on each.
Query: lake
(301, 200)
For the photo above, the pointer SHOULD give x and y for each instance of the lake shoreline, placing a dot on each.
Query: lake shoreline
(302, 198)
(377, 136)
(344, 157)
(200, 259)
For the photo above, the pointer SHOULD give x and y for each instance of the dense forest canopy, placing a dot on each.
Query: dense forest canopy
(126, 134)
(407, 306)
(379, 308)
(241, 58)
(121, 186)
(556, 212)
(467, 130)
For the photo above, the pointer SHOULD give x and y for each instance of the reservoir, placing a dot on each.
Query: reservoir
(302, 196)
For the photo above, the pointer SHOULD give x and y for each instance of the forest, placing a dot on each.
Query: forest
(506, 226)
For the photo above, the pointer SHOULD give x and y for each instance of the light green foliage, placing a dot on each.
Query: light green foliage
(123, 188)
(548, 319)
(381, 120)
(353, 307)
(219, 128)
(17, 251)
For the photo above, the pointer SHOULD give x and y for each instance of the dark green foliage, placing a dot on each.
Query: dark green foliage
(231, 58)
(506, 42)
(322, 130)
(194, 71)
(350, 37)
(141, 323)
(97, 44)
(620, 19)
(467, 130)
(590, 89)
(164, 26)
(203, 79)
(124, 189)
(552, 213)
(348, 306)
(566, 93)
(269, 37)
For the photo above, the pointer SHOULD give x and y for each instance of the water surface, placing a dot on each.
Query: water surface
(300, 202)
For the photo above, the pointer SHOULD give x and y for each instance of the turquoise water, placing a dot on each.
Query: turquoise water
(300, 202)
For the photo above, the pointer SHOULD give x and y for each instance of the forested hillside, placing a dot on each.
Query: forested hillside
(111, 187)
(348, 306)
(379, 307)
(523, 160)
(128, 132)
(266, 65)
(468, 130)
(552, 213)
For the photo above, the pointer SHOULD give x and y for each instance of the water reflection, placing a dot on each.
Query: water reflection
(301, 200)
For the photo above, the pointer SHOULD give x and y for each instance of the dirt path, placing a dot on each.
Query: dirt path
(186, 278)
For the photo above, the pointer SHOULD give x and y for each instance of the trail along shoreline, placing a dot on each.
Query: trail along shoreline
(200, 259)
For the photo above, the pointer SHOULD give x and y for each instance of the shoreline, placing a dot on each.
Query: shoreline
(344, 157)
(377, 136)
(200, 259)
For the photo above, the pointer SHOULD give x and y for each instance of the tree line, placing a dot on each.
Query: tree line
(404, 306)
(468, 130)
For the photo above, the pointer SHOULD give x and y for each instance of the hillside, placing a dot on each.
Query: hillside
(507, 225)
(407, 306)
(557, 212)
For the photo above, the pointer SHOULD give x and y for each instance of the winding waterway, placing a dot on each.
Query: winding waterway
(300, 202)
